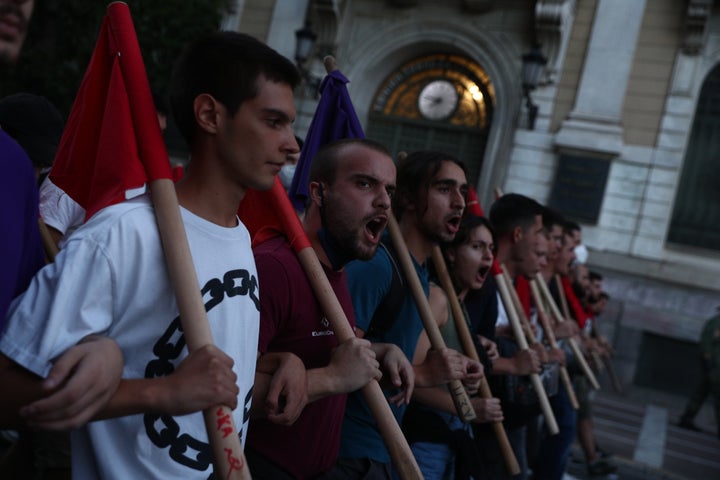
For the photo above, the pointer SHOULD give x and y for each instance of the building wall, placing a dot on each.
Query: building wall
(631, 104)
(495, 40)
(658, 44)
(256, 18)
(572, 67)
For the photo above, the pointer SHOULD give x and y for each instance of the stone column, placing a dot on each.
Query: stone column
(594, 123)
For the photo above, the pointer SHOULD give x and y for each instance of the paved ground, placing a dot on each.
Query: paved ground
(639, 427)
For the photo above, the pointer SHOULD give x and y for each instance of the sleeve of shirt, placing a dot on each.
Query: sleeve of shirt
(58, 210)
(368, 282)
(65, 302)
(275, 287)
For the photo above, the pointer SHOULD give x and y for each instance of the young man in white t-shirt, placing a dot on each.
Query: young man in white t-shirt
(233, 102)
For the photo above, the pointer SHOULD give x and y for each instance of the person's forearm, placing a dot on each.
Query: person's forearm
(133, 396)
(504, 366)
(20, 388)
(322, 382)
(435, 397)
(380, 350)
(425, 376)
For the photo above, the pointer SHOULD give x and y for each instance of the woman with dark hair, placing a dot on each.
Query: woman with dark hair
(441, 441)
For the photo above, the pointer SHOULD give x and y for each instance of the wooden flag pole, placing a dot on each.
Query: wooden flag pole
(397, 445)
(469, 347)
(524, 322)
(512, 314)
(547, 328)
(289, 224)
(457, 390)
(222, 433)
(571, 341)
(224, 440)
(566, 311)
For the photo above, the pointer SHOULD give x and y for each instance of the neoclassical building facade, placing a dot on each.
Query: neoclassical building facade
(623, 139)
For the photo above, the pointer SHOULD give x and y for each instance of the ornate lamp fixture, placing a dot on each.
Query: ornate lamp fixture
(533, 64)
(304, 43)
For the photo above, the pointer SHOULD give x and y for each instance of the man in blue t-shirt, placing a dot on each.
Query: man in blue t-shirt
(428, 205)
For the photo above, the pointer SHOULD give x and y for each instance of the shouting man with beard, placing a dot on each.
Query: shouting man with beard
(351, 183)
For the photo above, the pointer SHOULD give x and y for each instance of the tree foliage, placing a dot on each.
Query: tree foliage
(62, 36)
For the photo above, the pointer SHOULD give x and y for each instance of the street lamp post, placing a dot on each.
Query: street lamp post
(533, 64)
(304, 43)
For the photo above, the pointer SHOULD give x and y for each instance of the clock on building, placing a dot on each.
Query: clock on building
(437, 100)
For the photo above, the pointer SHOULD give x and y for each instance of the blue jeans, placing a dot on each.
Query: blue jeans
(517, 436)
(437, 460)
(555, 449)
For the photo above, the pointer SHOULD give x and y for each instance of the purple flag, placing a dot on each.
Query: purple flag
(334, 119)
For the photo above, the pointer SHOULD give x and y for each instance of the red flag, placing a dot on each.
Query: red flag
(112, 141)
(576, 308)
(270, 214)
(522, 287)
(177, 173)
(472, 203)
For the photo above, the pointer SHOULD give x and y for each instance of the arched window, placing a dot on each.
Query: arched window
(696, 217)
(438, 101)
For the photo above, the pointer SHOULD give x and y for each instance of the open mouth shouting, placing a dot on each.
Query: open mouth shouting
(482, 274)
(375, 227)
(453, 223)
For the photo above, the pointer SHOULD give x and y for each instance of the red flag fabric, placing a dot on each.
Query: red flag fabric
(576, 308)
(472, 204)
(522, 287)
(177, 173)
(112, 140)
(270, 214)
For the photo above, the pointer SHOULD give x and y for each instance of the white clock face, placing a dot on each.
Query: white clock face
(437, 100)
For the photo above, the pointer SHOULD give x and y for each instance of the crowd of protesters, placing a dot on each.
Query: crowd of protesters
(91, 342)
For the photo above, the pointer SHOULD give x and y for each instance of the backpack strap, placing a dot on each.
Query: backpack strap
(387, 311)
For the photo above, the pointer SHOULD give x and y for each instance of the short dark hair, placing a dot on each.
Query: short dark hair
(225, 65)
(592, 275)
(571, 226)
(324, 165)
(552, 217)
(513, 210)
(414, 174)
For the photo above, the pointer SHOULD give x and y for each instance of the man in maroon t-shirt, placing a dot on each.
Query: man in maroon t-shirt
(351, 182)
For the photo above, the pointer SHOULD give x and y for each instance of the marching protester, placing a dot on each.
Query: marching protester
(351, 184)
(551, 460)
(428, 203)
(20, 246)
(572, 279)
(232, 99)
(442, 442)
(79, 374)
(517, 222)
